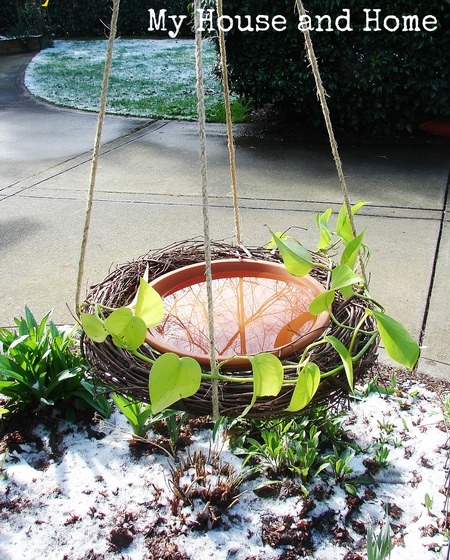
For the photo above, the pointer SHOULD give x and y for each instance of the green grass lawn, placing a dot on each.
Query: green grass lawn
(149, 78)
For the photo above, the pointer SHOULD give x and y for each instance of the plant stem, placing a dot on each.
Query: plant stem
(308, 349)
(99, 305)
(324, 266)
(355, 334)
(227, 378)
(369, 298)
(348, 327)
(142, 357)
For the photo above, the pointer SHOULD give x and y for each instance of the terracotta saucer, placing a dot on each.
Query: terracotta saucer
(258, 307)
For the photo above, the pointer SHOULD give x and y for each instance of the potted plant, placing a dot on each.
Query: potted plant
(270, 385)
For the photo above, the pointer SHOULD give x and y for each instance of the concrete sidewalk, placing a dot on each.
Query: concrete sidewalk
(148, 196)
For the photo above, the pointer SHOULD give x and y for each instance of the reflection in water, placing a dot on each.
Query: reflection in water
(251, 315)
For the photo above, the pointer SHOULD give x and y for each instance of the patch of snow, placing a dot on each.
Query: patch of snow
(70, 509)
(142, 81)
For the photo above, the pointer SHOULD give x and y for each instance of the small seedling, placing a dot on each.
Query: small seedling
(446, 406)
(385, 426)
(429, 504)
(3, 472)
(381, 456)
(141, 418)
(174, 423)
(340, 464)
(137, 413)
(379, 547)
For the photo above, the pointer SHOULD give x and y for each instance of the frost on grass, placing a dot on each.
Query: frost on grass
(96, 497)
(149, 78)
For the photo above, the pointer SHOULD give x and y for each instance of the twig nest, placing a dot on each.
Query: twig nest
(122, 371)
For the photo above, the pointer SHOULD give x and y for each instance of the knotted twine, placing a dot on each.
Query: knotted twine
(231, 152)
(205, 202)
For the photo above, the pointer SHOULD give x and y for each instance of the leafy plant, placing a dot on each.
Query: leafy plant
(172, 378)
(446, 407)
(429, 504)
(137, 413)
(381, 456)
(41, 367)
(340, 464)
(284, 447)
(373, 386)
(3, 471)
(174, 422)
(379, 547)
(141, 417)
(305, 447)
(398, 343)
(377, 83)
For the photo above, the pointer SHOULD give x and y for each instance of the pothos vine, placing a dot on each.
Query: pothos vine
(172, 378)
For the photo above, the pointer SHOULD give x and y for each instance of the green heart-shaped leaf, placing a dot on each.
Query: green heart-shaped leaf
(118, 320)
(93, 327)
(306, 387)
(397, 341)
(149, 305)
(343, 276)
(278, 234)
(268, 375)
(343, 226)
(322, 302)
(171, 379)
(296, 258)
(325, 232)
(351, 252)
(127, 330)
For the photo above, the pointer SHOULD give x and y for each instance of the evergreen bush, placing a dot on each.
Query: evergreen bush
(87, 18)
(378, 82)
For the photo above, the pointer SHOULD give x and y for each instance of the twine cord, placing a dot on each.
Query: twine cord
(95, 154)
(231, 151)
(205, 203)
(334, 147)
(203, 160)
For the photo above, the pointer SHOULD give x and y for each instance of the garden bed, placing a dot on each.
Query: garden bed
(83, 491)
(17, 45)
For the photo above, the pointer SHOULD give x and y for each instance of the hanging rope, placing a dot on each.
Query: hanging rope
(205, 205)
(231, 152)
(98, 134)
(333, 143)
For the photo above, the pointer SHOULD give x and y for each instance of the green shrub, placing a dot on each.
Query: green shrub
(89, 18)
(86, 18)
(40, 367)
(377, 82)
(22, 18)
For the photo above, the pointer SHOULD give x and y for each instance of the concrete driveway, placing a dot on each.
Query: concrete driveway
(148, 196)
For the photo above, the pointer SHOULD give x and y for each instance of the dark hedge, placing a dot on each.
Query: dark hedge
(87, 18)
(377, 82)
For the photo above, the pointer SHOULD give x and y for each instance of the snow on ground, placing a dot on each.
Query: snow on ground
(149, 78)
(100, 500)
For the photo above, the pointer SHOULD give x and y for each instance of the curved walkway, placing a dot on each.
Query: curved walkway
(148, 196)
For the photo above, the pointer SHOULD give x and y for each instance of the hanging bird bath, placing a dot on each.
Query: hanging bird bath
(124, 372)
(258, 307)
(262, 314)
